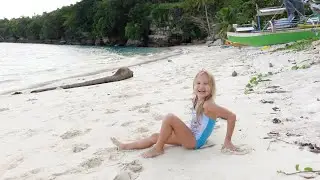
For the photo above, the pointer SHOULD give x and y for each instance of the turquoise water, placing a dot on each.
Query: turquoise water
(22, 65)
(129, 51)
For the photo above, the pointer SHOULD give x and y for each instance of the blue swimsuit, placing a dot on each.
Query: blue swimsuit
(201, 129)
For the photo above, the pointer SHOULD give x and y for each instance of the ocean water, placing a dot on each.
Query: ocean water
(25, 65)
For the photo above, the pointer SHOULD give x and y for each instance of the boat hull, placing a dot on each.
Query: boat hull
(271, 38)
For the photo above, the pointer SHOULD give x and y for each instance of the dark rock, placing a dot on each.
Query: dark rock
(210, 39)
(312, 147)
(196, 41)
(270, 65)
(267, 138)
(264, 101)
(218, 42)
(302, 117)
(273, 134)
(276, 91)
(234, 74)
(276, 121)
(158, 41)
(274, 87)
(291, 134)
(263, 80)
(209, 43)
(289, 120)
(117, 41)
(276, 109)
(135, 43)
(16, 93)
(99, 42)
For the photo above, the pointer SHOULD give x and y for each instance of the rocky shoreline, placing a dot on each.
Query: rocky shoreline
(154, 41)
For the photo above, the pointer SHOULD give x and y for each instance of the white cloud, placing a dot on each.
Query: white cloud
(17, 8)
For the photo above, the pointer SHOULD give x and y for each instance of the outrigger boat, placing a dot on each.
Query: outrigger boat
(276, 31)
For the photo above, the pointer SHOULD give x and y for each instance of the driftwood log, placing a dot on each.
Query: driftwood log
(121, 74)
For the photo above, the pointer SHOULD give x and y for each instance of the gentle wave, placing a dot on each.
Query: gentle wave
(25, 66)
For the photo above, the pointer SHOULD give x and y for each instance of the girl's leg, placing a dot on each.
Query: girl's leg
(143, 143)
(182, 136)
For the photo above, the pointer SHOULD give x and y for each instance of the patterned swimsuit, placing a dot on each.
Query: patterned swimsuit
(201, 129)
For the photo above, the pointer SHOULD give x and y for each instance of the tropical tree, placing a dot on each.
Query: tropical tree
(198, 4)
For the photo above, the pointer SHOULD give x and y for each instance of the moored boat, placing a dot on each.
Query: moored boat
(277, 32)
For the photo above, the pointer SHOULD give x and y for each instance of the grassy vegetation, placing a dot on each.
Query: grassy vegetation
(254, 81)
(298, 45)
(304, 171)
(305, 66)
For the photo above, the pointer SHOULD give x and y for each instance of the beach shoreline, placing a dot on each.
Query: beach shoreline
(65, 134)
(127, 61)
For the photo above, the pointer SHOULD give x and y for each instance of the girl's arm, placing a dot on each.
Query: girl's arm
(215, 111)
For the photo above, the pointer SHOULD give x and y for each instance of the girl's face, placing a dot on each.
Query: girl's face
(202, 87)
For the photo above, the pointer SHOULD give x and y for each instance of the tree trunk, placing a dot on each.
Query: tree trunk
(121, 74)
(209, 28)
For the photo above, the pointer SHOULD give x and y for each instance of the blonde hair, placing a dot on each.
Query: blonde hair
(211, 96)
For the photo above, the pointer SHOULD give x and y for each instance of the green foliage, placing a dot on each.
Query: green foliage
(134, 19)
(254, 81)
(139, 22)
(163, 14)
(296, 67)
(298, 171)
(300, 45)
(308, 169)
(133, 31)
(197, 4)
(226, 16)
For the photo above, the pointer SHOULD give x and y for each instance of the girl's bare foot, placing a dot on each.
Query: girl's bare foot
(228, 145)
(229, 148)
(153, 152)
(117, 143)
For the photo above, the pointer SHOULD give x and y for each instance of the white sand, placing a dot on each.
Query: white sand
(33, 126)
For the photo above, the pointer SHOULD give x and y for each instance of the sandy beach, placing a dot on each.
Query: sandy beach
(65, 134)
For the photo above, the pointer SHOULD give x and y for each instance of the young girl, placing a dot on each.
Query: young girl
(175, 132)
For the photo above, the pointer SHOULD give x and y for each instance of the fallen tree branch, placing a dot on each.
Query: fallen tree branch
(299, 172)
(121, 74)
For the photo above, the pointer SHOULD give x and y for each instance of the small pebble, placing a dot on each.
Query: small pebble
(275, 109)
(234, 74)
(276, 121)
(16, 93)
